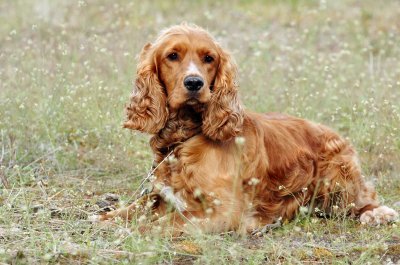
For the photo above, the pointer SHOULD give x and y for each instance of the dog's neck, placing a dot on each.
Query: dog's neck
(181, 125)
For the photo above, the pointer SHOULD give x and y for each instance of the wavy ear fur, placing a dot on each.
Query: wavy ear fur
(147, 110)
(223, 117)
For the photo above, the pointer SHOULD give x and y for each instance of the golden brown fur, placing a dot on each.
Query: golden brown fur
(230, 169)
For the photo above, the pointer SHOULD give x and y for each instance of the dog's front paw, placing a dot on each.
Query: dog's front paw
(380, 215)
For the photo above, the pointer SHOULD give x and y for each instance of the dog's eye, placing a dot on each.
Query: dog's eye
(208, 59)
(173, 56)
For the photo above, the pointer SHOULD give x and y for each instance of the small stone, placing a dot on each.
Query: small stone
(37, 208)
(105, 206)
(56, 213)
(111, 197)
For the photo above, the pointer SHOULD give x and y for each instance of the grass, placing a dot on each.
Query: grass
(66, 73)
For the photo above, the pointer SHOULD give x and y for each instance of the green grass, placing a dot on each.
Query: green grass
(66, 73)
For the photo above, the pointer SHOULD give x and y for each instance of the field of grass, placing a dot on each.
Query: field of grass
(66, 72)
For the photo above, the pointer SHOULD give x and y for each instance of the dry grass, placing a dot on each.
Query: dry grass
(66, 74)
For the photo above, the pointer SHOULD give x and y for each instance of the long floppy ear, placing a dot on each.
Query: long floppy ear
(223, 117)
(147, 110)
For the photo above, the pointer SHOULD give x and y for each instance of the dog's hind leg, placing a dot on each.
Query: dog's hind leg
(345, 187)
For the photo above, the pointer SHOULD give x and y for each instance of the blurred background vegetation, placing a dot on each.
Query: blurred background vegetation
(67, 68)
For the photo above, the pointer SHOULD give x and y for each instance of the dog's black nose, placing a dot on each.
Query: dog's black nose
(193, 83)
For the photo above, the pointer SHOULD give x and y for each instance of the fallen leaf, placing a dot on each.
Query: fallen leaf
(188, 247)
(322, 253)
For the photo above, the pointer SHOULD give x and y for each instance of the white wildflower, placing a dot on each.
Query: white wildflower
(253, 181)
(197, 193)
(142, 218)
(172, 159)
(303, 210)
(216, 202)
(240, 141)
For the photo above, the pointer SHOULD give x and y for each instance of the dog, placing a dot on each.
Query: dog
(219, 167)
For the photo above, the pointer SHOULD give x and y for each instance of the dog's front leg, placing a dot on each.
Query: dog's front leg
(147, 204)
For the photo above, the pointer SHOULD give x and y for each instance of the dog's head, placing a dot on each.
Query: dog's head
(186, 67)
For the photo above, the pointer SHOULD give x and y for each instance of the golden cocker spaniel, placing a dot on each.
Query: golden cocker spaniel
(219, 167)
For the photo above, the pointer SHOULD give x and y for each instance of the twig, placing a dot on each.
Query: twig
(4, 180)
(3, 177)
(2, 148)
(54, 195)
(333, 250)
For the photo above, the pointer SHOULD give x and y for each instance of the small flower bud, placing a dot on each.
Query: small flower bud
(240, 140)
(197, 193)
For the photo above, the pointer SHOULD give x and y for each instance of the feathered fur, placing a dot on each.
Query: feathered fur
(228, 168)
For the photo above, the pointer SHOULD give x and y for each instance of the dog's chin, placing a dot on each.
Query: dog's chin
(192, 102)
(195, 104)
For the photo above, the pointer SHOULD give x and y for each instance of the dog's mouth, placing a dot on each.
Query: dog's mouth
(195, 104)
(192, 101)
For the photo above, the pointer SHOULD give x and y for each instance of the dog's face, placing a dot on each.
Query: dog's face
(184, 67)
(188, 64)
